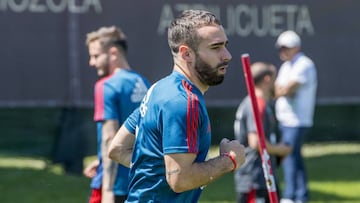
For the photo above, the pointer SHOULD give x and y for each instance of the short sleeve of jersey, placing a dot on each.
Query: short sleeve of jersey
(261, 103)
(180, 125)
(250, 122)
(132, 121)
(110, 103)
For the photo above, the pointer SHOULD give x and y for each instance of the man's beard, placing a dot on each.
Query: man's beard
(208, 74)
(104, 71)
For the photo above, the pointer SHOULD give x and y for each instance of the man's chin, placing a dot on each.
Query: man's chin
(101, 74)
(217, 82)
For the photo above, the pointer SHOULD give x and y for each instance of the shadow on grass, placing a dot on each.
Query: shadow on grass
(33, 185)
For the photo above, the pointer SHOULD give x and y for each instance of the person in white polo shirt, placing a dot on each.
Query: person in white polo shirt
(295, 91)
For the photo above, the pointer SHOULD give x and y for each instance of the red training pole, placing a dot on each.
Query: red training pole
(265, 157)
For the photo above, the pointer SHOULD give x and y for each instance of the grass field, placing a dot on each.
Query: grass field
(333, 170)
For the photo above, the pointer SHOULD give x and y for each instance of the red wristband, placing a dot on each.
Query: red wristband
(232, 158)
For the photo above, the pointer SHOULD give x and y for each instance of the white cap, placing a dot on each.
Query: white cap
(288, 39)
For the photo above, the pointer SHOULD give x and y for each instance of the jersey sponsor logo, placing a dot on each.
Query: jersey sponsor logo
(139, 91)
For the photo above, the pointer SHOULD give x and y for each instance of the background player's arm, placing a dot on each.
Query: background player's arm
(121, 147)
(183, 173)
(109, 167)
(288, 90)
(90, 170)
(274, 149)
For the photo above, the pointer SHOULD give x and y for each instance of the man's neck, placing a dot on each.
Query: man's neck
(261, 93)
(192, 77)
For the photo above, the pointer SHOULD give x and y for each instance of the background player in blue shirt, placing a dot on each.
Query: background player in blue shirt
(172, 128)
(118, 92)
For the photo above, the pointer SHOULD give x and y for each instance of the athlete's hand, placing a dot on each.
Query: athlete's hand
(90, 170)
(235, 149)
(284, 149)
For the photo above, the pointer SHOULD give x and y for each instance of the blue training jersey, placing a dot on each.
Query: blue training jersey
(116, 96)
(172, 118)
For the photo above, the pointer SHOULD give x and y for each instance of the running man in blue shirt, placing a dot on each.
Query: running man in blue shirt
(165, 142)
(118, 92)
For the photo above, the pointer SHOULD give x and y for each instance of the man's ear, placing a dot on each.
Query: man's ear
(113, 52)
(185, 52)
(267, 78)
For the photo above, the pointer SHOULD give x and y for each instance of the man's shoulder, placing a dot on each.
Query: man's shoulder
(245, 102)
(170, 85)
(244, 107)
(124, 77)
(173, 93)
(305, 61)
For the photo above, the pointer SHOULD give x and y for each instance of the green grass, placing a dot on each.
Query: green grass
(333, 170)
(29, 180)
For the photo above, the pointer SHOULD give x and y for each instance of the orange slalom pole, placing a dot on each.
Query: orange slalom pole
(265, 157)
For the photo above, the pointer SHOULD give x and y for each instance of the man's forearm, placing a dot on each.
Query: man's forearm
(289, 90)
(198, 174)
(121, 147)
(109, 167)
(207, 172)
(121, 155)
(109, 173)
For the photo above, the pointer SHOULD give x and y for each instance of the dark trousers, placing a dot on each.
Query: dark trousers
(254, 196)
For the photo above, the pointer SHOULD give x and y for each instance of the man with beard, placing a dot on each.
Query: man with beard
(167, 155)
(118, 92)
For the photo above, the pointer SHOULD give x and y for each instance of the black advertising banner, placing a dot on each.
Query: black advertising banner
(44, 61)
